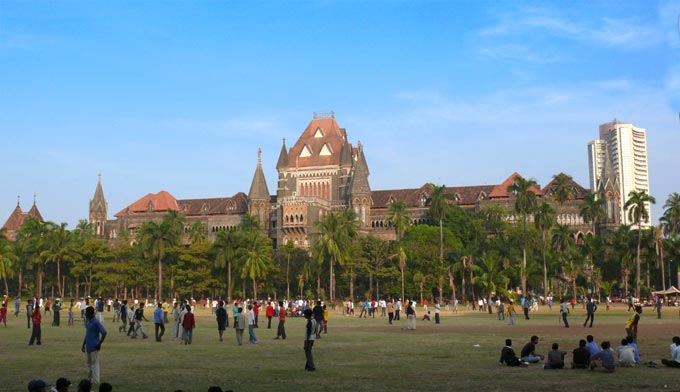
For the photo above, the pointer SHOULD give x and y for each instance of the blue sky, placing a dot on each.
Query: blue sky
(179, 96)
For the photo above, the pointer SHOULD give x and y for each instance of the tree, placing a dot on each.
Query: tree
(224, 248)
(638, 213)
(440, 204)
(563, 243)
(671, 215)
(255, 256)
(544, 218)
(525, 203)
(92, 250)
(288, 249)
(490, 276)
(399, 217)
(563, 189)
(592, 209)
(30, 242)
(157, 238)
(198, 233)
(376, 251)
(59, 246)
(335, 232)
(620, 249)
(8, 259)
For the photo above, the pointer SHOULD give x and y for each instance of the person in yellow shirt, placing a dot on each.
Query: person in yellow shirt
(165, 307)
(325, 319)
(511, 313)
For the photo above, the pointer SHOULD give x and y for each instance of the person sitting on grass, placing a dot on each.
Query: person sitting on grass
(604, 359)
(675, 354)
(634, 345)
(626, 354)
(428, 316)
(581, 356)
(555, 358)
(508, 355)
(528, 353)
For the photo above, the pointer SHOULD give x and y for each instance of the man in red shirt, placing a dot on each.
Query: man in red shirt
(188, 323)
(269, 312)
(36, 318)
(281, 331)
(256, 312)
(3, 314)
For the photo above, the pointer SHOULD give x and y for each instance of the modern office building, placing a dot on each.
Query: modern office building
(617, 166)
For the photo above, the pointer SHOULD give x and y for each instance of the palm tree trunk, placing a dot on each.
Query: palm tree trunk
(402, 281)
(21, 282)
(351, 284)
(287, 278)
(637, 266)
(524, 259)
(38, 282)
(4, 277)
(663, 274)
(228, 281)
(254, 289)
(545, 270)
(331, 287)
(160, 277)
(59, 285)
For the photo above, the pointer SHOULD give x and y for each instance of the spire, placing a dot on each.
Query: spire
(346, 154)
(18, 200)
(34, 212)
(360, 178)
(258, 188)
(283, 157)
(98, 204)
(35, 196)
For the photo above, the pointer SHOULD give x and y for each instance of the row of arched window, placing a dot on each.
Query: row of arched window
(293, 218)
(376, 224)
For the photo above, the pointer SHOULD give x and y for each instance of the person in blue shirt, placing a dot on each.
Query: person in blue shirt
(591, 346)
(95, 333)
(158, 321)
(635, 347)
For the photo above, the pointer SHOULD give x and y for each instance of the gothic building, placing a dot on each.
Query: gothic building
(18, 217)
(320, 173)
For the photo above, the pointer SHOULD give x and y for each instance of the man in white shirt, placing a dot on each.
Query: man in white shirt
(626, 354)
(675, 354)
(251, 325)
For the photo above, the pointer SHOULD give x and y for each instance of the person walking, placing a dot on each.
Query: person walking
(251, 325)
(310, 335)
(159, 323)
(17, 306)
(591, 307)
(632, 323)
(123, 316)
(269, 313)
(390, 311)
(239, 325)
(221, 317)
(437, 308)
(95, 333)
(139, 317)
(188, 323)
(36, 335)
(281, 330)
(564, 311)
(318, 317)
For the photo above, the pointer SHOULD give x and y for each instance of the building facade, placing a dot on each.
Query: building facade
(618, 165)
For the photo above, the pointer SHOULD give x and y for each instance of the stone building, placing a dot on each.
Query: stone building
(18, 217)
(321, 172)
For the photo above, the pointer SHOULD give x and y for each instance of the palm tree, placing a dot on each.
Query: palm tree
(563, 189)
(658, 246)
(401, 254)
(7, 259)
(59, 246)
(335, 232)
(619, 245)
(420, 279)
(224, 248)
(490, 276)
(440, 205)
(255, 256)
(399, 217)
(198, 233)
(525, 203)
(157, 238)
(288, 249)
(544, 219)
(31, 242)
(592, 209)
(671, 215)
(638, 213)
(376, 252)
(563, 242)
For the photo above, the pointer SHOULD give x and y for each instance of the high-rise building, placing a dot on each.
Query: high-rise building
(618, 166)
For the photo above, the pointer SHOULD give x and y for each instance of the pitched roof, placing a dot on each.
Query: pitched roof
(15, 220)
(579, 191)
(320, 144)
(152, 202)
(467, 196)
(501, 191)
(361, 173)
(236, 204)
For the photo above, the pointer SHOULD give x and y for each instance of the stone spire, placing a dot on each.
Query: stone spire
(258, 188)
(346, 155)
(283, 157)
(360, 178)
(98, 209)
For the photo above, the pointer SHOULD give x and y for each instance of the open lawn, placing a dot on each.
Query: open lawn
(358, 354)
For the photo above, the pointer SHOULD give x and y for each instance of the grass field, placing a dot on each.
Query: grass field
(459, 354)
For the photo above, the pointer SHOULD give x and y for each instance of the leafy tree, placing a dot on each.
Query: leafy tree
(30, 241)
(399, 217)
(198, 233)
(621, 250)
(376, 252)
(59, 246)
(92, 251)
(592, 210)
(255, 257)
(157, 238)
(287, 250)
(224, 249)
(563, 243)
(638, 213)
(525, 203)
(490, 276)
(8, 259)
(544, 219)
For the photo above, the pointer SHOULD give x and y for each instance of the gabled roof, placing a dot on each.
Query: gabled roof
(15, 220)
(236, 204)
(360, 183)
(283, 157)
(319, 133)
(467, 196)
(152, 202)
(579, 191)
(501, 191)
(258, 188)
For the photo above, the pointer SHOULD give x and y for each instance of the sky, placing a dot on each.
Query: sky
(179, 96)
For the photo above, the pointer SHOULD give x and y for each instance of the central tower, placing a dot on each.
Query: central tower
(321, 172)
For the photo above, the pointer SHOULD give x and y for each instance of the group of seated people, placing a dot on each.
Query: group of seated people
(63, 385)
(586, 356)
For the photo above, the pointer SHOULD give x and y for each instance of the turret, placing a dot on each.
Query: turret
(98, 210)
(258, 197)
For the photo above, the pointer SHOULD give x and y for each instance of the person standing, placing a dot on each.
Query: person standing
(221, 316)
(511, 313)
(29, 312)
(123, 316)
(56, 308)
(166, 308)
(36, 319)
(310, 334)
(564, 311)
(48, 306)
(188, 323)
(591, 307)
(99, 303)
(234, 312)
(269, 313)
(410, 316)
(251, 325)
(318, 317)
(631, 302)
(239, 325)
(658, 304)
(632, 323)
(175, 319)
(17, 306)
(3, 313)
(325, 319)
(281, 330)
(390, 310)
(159, 324)
(526, 305)
(437, 309)
(139, 317)
(256, 313)
(95, 333)
(397, 310)
(70, 313)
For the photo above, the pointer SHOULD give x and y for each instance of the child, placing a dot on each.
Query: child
(555, 358)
